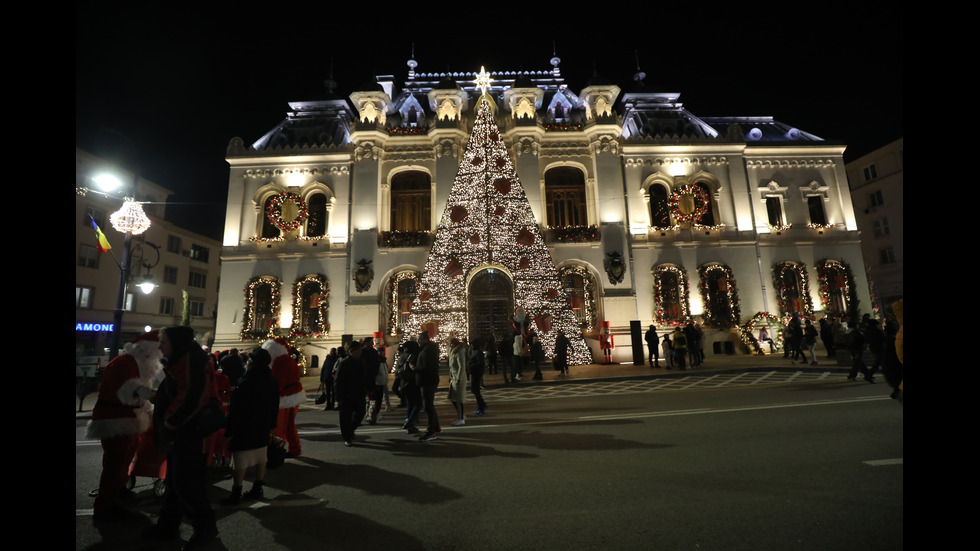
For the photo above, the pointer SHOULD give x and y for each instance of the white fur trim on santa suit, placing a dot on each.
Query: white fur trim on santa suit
(293, 400)
(275, 349)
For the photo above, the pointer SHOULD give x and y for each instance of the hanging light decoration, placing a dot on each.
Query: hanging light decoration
(130, 218)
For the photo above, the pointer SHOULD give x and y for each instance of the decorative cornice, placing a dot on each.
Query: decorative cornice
(605, 144)
(790, 163)
(526, 146)
(416, 153)
(635, 162)
(367, 150)
(316, 171)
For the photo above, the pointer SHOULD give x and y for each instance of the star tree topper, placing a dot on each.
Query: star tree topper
(483, 80)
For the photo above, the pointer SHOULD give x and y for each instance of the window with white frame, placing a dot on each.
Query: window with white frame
(83, 296)
(88, 256)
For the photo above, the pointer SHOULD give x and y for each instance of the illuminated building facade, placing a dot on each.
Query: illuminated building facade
(650, 214)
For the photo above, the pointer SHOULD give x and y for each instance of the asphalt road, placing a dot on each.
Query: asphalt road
(749, 463)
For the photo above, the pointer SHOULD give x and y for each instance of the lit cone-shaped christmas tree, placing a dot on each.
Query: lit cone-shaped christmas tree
(488, 223)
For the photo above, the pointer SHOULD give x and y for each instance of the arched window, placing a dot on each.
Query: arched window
(719, 294)
(793, 289)
(402, 290)
(261, 307)
(269, 230)
(835, 286)
(411, 202)
(818, 217)
(659, 206)
(316, 223)
(670, 295)
(565, 195)
(708, 218)
(580, 287)
(310, 306)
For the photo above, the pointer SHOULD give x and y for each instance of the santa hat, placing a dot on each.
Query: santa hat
(276, 347)
(153, 336)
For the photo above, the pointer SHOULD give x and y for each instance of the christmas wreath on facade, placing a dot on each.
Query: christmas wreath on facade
(700, 204)
(273, 211)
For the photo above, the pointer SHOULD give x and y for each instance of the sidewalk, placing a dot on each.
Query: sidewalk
(714, 363)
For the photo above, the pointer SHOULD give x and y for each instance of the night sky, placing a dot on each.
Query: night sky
(165, 91)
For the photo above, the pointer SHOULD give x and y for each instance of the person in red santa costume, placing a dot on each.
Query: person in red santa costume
(291, 393)
(121, 414)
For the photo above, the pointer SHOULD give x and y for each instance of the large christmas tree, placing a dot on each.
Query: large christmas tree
(488, 223)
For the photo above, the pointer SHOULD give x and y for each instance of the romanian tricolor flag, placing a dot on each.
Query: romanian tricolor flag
(101, 242)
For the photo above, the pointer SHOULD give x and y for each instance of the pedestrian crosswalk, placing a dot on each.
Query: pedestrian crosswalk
(571, 388)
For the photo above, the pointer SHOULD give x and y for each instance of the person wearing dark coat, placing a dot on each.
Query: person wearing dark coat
(352, 389)
(653, 346)
(427, 372)
(561, 353)
(188, 386)
(410, 388)
(476, 365)
(232, 366)
(252, 416)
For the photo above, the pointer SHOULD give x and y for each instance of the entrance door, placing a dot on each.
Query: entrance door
(490, 304)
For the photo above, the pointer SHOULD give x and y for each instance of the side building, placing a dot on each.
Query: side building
(183, 266)
(877, 186)
(652, 215)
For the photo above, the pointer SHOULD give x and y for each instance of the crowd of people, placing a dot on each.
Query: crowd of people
(156, 400)
(157, 389)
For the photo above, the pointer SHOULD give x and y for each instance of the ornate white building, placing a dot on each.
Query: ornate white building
(652, 215)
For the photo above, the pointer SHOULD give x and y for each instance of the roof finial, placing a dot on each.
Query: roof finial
(555, 60)
(330, 83)
(640, 75)
(412, 64)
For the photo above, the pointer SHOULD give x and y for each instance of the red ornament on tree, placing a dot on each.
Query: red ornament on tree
(525, 237)
(502, 185)
(458, 213)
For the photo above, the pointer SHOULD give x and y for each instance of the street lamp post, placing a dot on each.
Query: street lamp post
(130, 220)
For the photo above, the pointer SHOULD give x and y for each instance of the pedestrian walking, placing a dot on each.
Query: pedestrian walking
(427, 370)
(353, 384)
(457, 378)
(252, 415)
(476, 365)
(291, 393)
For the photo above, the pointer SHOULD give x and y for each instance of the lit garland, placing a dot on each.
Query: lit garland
(820, 226)
(393, 300)
(570, 127)
(488, 223)
(838, 272)
(274, 211)
(671, 318)
(803, 303)
(780, 227)
(588, 296)
(323, 327)
(748, 337)
(730, 291)
(397, 238)
(249, 329)
(700, 203)
(406, 131)
(577, 234)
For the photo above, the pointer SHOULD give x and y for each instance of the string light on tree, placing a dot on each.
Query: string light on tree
(488, 223)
